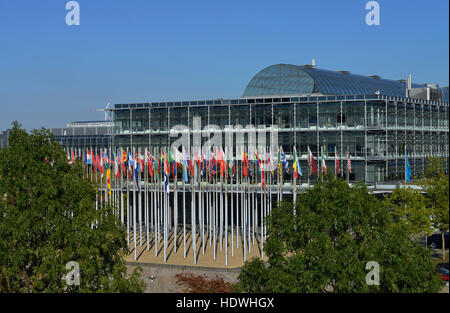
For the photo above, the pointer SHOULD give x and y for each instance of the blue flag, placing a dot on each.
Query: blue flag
(284, 161)
(185, 169)
(407, 168)
(136, 174)
(166, 183)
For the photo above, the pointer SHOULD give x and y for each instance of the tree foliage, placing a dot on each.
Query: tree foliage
(47, 218)
(202, 284)
(436, 185)
(325, 246)
(409, 207)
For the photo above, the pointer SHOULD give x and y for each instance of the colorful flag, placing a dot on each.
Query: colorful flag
(101, 165)
(150, 165)
(336, 160)
(263, 181)
(124, 158)
(166, 173)
(349, 163)
(89, 157)
(284, 161)
(136, 172)
(185, 166)
(312, 163)
(116, 166)
(324, 164)
(108, 179)
(296, 165)
(407, 168)
(245, 164)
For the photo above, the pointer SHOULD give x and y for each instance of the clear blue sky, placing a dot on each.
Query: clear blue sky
(142, 50)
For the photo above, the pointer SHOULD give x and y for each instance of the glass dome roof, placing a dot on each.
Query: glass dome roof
(288, 79)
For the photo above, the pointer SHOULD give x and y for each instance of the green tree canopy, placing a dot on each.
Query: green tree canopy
(325, 246)
(48, 218)
(409, 207)
(436, 185)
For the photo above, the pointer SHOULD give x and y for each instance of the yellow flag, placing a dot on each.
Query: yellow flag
(108, 178)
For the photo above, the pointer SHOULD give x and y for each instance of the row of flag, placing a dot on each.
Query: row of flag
(206, 162)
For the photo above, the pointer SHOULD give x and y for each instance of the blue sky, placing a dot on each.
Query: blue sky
(142, 50)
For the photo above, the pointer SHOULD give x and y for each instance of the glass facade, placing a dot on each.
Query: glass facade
(316, 109)
(374, 131)
(288, 79)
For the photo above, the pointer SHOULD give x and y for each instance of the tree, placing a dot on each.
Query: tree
(47, 219)
(325, 246)
(202, 284)
(436, 185)
(409, 208)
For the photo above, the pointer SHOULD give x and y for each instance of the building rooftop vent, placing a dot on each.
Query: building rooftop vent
(344, 72)
(308, 66)
(375, 76)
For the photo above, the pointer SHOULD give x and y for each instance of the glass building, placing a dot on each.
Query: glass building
(373, 120)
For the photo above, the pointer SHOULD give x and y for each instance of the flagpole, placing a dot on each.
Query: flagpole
(193, 226)
(238, 204)
(159, 199)
(128, 200)
(232, 209)
(244, 217)
(146, 178)
(255, 205)
(184, 210)
(210, 208)
(214, 210)
(226, 220)
(121, 191)
(248, 212)
(208, 198)
(295, 177)
(175, 206)
(202, 204)
(263, 215)
(165, 207)
(221, 209)
(134, 209)
(156, 200)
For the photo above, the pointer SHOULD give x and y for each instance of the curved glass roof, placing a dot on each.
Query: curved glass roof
(288, 79)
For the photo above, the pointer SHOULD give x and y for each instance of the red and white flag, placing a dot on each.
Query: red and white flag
(349, 163)
(336, 158)
(312, 163)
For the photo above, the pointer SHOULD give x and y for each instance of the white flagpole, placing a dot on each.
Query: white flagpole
(175, 207)
(193, 226)
(226, 218)
(221, 213)
(244, 218)
(156, 202)
(215, 214)
(134, 211)
(128, 201)
(140, 202)
(184, 214)
(232, 211)
(147, 211)
(202, 208)
(238, 186)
